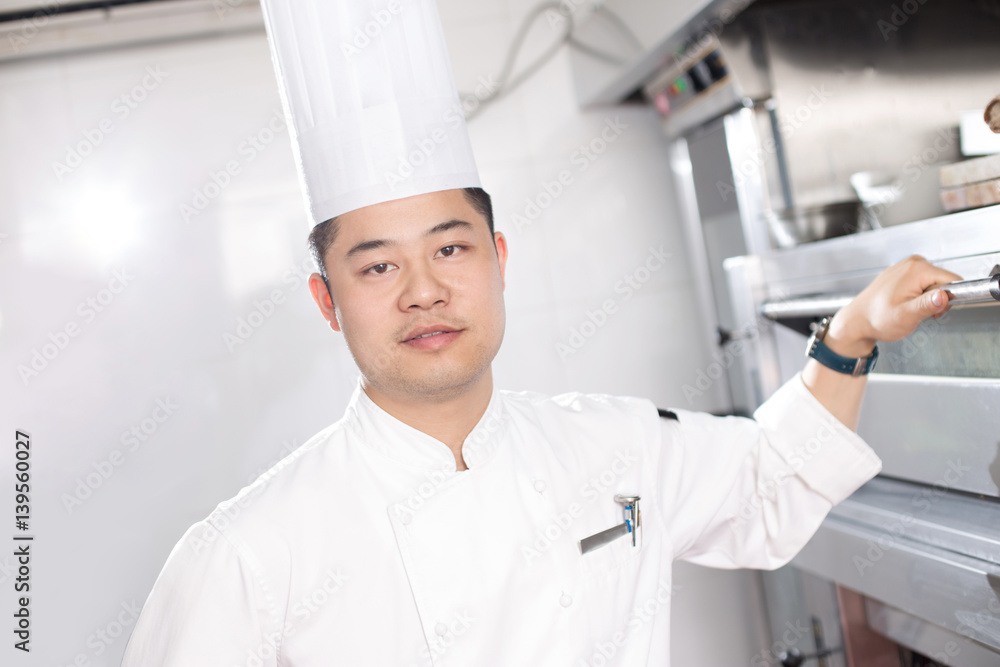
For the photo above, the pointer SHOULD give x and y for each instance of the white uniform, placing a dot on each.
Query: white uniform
(366, 547)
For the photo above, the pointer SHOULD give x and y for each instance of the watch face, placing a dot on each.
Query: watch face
(819, 332)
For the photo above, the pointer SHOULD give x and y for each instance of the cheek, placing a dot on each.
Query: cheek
(356, 310)
(359, 316)
(487, 296)
(493, 284)
(481, 280)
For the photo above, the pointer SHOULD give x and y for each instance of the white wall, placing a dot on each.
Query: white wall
(161, 336)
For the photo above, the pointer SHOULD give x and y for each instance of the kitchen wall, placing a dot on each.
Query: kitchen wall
(158, 341)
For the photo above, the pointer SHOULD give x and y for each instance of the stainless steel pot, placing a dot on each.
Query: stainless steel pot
(791, 227)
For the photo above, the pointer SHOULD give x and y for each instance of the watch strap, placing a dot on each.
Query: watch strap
(848, 365)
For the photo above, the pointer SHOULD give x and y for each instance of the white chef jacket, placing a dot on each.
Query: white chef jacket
(365, 547)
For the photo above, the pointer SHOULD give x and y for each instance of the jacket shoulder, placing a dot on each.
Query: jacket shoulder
(580, 405)
(280, 488)
(572, 420)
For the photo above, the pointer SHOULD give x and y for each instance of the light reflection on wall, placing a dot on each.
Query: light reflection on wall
(87, 225)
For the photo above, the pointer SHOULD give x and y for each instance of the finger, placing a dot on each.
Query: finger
(933, 276)
(931, 302)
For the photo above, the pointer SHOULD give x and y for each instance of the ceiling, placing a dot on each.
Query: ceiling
(86, 26)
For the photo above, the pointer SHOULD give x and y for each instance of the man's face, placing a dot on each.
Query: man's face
(403, 269)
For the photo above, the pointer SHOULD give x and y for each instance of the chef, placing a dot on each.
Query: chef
(443, 521)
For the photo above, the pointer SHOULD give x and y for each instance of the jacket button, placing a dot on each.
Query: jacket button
(441, 629)
(565, 600)
(540, 485)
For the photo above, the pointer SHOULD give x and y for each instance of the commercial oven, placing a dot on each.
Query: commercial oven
(776, 110)
(919, 546)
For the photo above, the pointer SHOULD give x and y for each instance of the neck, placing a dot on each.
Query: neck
(449, 420)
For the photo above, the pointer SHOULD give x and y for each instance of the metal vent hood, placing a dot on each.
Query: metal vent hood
(641, 39)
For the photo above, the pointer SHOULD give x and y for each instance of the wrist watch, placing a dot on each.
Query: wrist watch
(818, 350)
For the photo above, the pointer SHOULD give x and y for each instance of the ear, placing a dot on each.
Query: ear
(500, 241)
(321, 295)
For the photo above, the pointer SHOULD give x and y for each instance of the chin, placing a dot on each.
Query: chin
(433, 382)
(443, 385)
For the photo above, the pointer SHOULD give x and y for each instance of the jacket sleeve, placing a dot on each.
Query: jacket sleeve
(208, 607)
(737, 492)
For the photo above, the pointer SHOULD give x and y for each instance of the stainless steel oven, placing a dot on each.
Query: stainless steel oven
(783, 111)
(921, 542)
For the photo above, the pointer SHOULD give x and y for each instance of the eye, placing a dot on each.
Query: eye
(450, 250)
(378, 269)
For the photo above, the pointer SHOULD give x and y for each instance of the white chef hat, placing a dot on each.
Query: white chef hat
(370, 95)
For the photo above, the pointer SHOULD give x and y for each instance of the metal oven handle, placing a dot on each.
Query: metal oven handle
(985, 291)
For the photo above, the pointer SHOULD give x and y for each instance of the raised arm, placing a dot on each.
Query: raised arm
(889, 309)
(750, 493)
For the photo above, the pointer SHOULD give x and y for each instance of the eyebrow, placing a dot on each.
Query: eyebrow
(365, 246)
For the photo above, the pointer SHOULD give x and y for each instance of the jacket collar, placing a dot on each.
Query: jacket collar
(386, 434)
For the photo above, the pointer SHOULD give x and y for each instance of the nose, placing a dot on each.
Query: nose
(422, 289)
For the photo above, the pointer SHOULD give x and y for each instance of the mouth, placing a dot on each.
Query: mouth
(427, 332)
(435, 333)
(431, 337)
